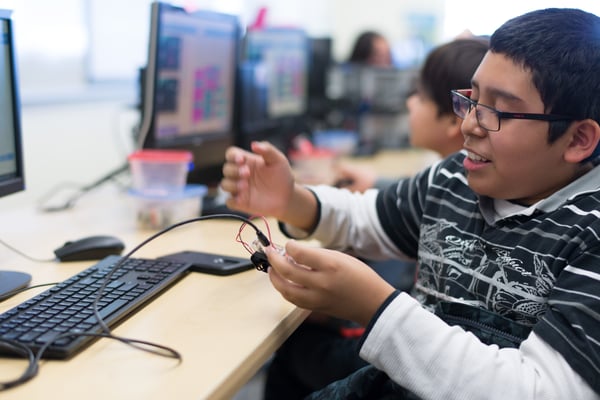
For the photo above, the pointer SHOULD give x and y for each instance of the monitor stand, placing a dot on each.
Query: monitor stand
(12, 280)
(214, 203)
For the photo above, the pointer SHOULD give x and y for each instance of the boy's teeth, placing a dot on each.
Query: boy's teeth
(475, 157)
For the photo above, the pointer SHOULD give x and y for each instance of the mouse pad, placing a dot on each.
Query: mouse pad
(210, 263)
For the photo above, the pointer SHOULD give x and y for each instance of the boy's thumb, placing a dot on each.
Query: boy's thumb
(268, 152)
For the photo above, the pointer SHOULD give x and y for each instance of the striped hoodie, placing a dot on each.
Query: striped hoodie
(538, 266)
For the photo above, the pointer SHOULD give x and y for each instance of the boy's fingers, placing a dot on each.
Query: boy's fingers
(304, 254)
(269, 153)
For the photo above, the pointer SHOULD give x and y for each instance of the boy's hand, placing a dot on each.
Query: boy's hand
(328, 281)
(355, 178)
(260, 182)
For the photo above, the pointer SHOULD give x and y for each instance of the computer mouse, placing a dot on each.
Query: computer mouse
(89, 248)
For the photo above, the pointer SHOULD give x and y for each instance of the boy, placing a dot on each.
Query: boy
(507, 234)
(299, 366)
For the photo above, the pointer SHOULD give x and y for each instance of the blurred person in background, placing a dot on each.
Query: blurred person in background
(371, 48)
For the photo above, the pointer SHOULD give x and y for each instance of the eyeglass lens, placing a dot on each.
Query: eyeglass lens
(487, 118)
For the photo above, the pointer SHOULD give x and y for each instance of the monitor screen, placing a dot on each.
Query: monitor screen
(376, 89)
(320, 61)
(189, 86)
(273, 85)
(11, 157)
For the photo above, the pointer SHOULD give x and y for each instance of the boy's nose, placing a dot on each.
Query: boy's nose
(470, 125)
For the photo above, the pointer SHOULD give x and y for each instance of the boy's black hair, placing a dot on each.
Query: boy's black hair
(450, 66)
(561, 48)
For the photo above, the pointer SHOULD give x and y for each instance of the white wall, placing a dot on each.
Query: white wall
(64, 44)
(71, 144)
(482, 17)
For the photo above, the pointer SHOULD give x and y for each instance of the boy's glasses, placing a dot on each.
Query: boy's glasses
(489, 118)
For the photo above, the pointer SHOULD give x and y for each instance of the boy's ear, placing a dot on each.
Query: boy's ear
(584, 140)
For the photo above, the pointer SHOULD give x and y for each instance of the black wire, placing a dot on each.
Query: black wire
(17, 291)
(81, 190)
(154, 348)
(101, 322)
(137, 343)
(24, 351)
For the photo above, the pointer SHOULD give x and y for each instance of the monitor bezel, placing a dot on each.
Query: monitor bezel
(280, 129)
(208, 148)
(16, 183)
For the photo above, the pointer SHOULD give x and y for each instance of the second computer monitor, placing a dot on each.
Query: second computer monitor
(320, 62)
(189, 86)
(273, 85)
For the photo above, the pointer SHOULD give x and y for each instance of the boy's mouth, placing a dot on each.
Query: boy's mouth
(474, 162)
(476, 157)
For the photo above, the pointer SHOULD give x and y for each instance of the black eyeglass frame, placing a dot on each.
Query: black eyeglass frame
(465, 94)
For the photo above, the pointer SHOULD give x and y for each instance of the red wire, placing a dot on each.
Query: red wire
(238, 237)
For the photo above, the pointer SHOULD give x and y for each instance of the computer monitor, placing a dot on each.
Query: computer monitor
(372, 101)
(319, 63)
(370, 88)
(12, 176)
(273, 86)
(189, 86)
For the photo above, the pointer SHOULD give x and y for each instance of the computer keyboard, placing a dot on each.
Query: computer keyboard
(68, 306)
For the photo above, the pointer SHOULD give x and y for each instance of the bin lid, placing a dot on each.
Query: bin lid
(161, 156)
(189, 191)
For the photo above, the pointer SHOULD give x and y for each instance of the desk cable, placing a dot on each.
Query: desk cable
(80, 190)
(22, 254)
(34, 358)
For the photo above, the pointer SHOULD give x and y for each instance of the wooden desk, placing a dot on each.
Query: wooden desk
(395, 163)
(225, 327)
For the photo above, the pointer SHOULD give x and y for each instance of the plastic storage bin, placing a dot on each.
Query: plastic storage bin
(159, 172)
(314, 168)
(159, 211)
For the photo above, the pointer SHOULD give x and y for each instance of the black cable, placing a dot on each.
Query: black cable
(17, 348)
(17, 291)
(22, 350)
(70, 202)
(137, 343)
(154, 348)
(261, 237)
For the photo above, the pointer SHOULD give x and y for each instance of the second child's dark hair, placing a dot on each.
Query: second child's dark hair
(363, 47)
(561, 48)
(450, 66)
